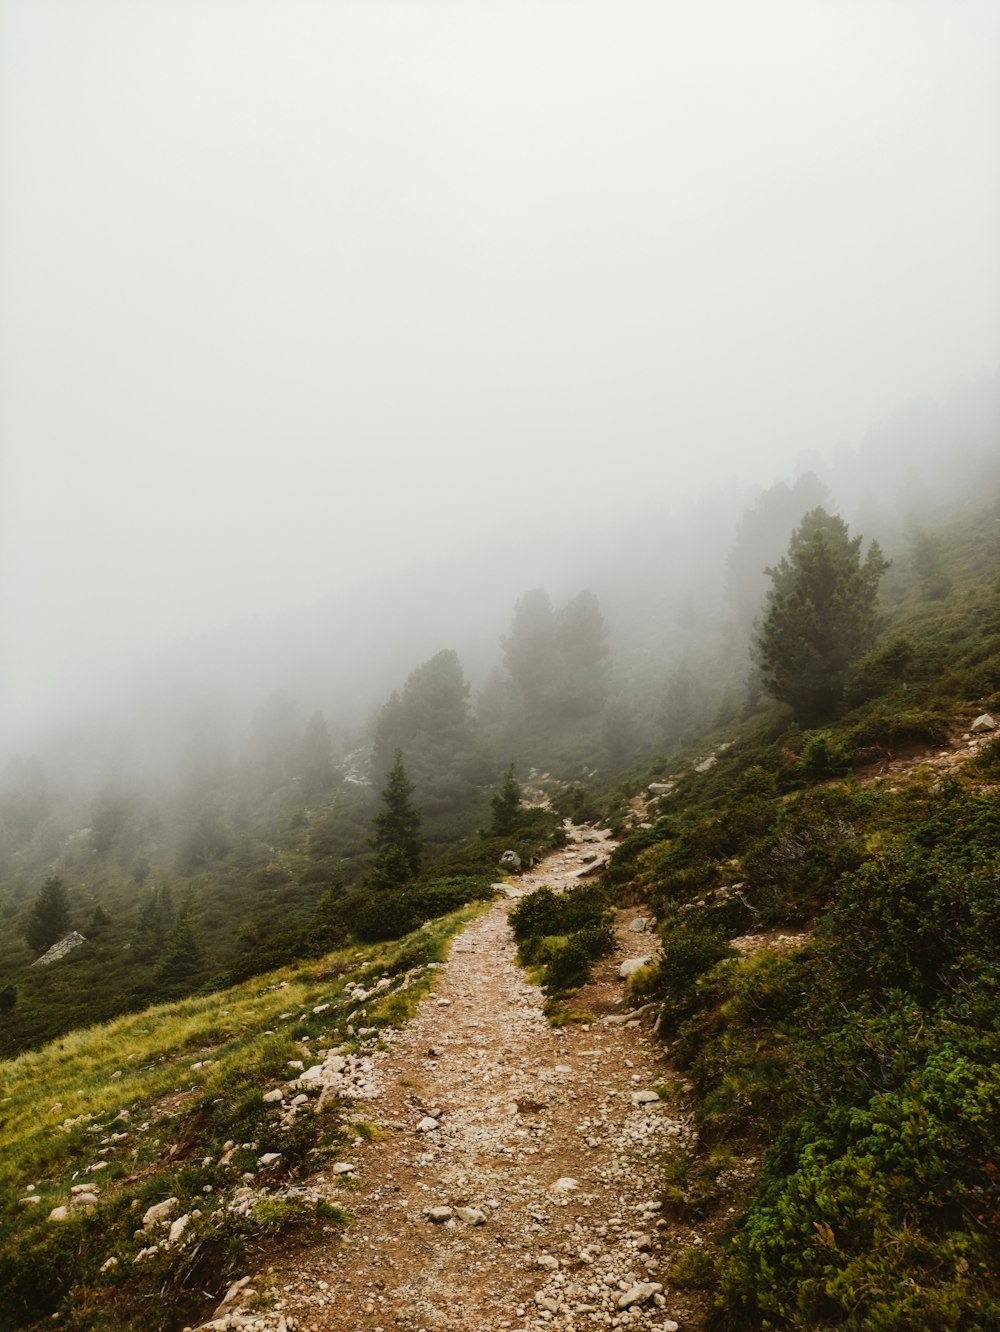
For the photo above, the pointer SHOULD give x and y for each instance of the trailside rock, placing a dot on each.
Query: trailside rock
(640, 1293)
(984, 722)
(631, 966)
(511, 862)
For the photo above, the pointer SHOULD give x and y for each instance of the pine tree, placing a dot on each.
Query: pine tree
(820, 615)
(49, 917)
(397, 841)
(181, 951)
(506, 805)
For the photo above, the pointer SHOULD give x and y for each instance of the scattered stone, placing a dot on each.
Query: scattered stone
(644, 1097)
(471, 1216)
(158, 1212)
(178, 1228)
(983, 723)
(439, 1214)
(638, 925)
(268, 1159)
(108, 1263)
(511, 862)
(272, 1097)
(59, 1214)
(427, 1125)
(343, 1168)
(640, 1293)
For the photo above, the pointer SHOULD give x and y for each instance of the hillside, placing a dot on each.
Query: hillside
(822, 990)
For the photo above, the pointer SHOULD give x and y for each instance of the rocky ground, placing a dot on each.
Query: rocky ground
(516, 1182)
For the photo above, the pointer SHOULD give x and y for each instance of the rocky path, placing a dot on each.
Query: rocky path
(515, 1184)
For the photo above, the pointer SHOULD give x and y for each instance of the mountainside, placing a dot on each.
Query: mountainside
(816, 844)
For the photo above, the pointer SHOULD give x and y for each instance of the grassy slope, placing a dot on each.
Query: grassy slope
(862, 1065)
(127, 1093)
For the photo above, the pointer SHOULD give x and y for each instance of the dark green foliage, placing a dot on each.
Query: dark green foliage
(430, 722)
(578, 803)
(823, 756)
(49, 919)
(397, 841)
(820, 615)
(762, 537)
(182, 956)
(564, 933)
(382, 915)
(506, 805)
(8, 997)
(988, 760)
(879, 671)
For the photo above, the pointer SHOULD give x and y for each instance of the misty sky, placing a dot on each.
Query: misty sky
(293, 291)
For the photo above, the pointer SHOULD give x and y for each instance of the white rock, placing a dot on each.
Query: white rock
(272, 1096)
(109, 1263)
(343, 1168)
(639, 1294)
(984, 722)
(439, 1214)
(59, 1214)
(146, 1253)
(158, 1212)
(631, 966)
(178, 1229)
(565, 1184)
(644, 1097)
(268, 1159)
(427, 1125)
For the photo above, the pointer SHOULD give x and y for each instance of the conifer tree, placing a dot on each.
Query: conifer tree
(397, 841)
(820, 615)
(506, 805)
(181, 951)
(49, 917)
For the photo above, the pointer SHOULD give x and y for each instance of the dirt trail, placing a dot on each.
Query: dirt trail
(544, 1144)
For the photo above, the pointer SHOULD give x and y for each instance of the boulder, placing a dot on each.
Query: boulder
(631, 965)
(638, 926)
(59, 950)
(511, 862)
(158, 1212)
(640, 1293)
(982, 724)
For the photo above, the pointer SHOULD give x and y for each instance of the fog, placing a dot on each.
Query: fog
(326, 330)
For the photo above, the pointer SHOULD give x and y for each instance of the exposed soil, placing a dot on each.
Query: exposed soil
(543, 1134)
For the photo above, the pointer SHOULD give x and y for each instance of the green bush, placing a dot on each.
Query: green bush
(823, 756)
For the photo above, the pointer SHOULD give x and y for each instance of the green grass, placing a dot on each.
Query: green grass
(128, 1092)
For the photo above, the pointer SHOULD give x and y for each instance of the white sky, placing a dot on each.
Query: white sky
(291, 291)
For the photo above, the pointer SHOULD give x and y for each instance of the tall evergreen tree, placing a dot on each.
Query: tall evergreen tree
(820, 615)
(506, 805)
(397, 841)
(181, 951)
(48, 920)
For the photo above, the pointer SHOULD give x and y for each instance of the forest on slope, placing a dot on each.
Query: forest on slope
(817, 842)
(242, 846)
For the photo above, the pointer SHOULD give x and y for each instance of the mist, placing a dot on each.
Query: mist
(328, 331)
